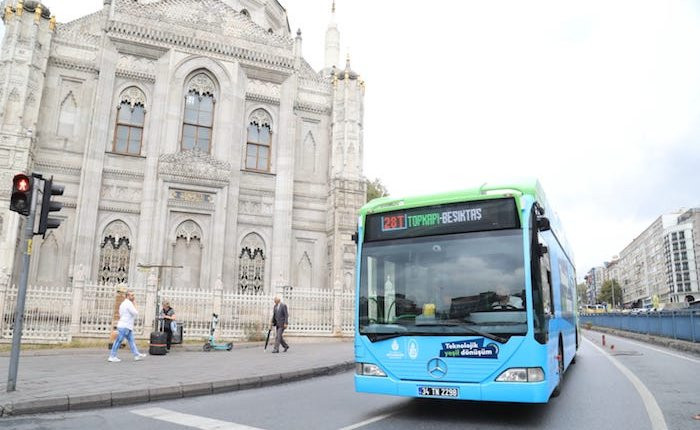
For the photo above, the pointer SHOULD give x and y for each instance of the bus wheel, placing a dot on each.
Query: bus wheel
(560, 362)
(573, 359)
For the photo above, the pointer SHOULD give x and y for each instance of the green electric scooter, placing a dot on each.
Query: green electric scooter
(211, 344)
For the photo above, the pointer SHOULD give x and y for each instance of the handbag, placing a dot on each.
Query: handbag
(173, 326)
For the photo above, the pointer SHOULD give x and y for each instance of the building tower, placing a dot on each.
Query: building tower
(332, 44)
(347, 188)
(29, 29)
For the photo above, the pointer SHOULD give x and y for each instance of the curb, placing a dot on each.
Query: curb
(678, 345)
(120, 398)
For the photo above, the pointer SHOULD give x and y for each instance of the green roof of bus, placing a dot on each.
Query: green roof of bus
(485, 191)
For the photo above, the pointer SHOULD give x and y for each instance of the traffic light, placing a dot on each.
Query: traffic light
(50, 189)
(21, 200)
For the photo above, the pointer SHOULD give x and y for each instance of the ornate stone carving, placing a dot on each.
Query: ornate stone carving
(188, 230)
(191, 197)
(120, 194)
(247, 207)
(133, 96)
(187, 166)
(138, 65)
(201, 84)
(261, 117)
(266, 90)
(117, 229)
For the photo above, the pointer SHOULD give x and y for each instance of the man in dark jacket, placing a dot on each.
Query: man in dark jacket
(280, 316)
(167, 314)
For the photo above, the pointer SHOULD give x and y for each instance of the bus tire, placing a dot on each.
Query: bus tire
(560, 360)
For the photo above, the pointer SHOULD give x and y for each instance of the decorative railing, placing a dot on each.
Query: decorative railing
(59, 313)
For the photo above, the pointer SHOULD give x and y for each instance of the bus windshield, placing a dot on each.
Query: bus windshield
(471, 283)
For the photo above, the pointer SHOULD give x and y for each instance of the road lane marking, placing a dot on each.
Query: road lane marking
(653, 410)
(194, 421)
(624, 339)
(368, 421)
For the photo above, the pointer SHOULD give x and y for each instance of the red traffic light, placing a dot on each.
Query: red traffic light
(22, 183)
(21, 198)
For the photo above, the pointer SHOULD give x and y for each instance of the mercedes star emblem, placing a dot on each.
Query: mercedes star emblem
(437, 368)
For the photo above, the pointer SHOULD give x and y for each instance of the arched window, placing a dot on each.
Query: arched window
(115, 253)
(259, 140)
(251, 265)
(131, 115)
(198, 121)
(187, 252)
(67, 116)
(308, 154)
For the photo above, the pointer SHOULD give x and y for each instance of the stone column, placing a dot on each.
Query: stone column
(337, 308)
(4, 286)
(218, 296)
(77, 301)
(151, 302)
(93, 161)
(284, 187)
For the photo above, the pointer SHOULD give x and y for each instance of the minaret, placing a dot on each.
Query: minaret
(347, 188)
(29, 30)
(332, 44)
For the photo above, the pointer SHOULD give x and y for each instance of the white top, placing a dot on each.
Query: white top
(513, 301)
(127, 315)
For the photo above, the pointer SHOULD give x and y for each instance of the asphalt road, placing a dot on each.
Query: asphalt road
(599, 393)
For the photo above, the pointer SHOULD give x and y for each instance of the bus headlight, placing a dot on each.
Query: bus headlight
(367, 369)
(522, 374)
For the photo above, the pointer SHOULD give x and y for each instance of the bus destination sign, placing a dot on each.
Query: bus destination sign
(463, 217)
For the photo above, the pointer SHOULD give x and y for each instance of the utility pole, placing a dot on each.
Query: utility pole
(22, 289)
(24, 199)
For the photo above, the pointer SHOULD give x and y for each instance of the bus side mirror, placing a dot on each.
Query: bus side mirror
(543, 224)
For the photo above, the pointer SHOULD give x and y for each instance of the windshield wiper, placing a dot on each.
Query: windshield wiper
(375, 337)
(491, 336)
(454, 323)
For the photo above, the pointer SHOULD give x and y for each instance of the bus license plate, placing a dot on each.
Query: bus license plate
(438, 391)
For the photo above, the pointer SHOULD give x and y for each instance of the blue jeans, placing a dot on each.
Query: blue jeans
(124, 332)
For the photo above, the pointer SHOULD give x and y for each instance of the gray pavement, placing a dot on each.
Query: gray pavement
(61, 380)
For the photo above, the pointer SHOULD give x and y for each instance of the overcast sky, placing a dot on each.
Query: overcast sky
(598, 99)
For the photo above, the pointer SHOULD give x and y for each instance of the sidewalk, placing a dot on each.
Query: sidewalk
(61, 380)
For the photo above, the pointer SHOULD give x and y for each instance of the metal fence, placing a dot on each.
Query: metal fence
(682, 324)
(47, 313)
(59, 313)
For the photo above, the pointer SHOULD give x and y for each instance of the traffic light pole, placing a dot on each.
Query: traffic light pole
(22, 293)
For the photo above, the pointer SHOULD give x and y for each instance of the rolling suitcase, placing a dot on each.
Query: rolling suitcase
(158, 343)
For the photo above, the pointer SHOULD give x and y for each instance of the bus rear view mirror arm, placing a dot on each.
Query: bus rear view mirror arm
(543, 224)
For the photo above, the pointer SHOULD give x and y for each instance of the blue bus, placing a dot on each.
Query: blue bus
(465, 295)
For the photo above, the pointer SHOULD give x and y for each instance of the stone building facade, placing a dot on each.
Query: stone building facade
(187, 133)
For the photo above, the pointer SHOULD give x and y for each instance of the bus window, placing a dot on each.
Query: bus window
(541, 296)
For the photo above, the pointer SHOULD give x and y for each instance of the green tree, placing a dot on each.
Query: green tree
(581, 291)
(375, 189)
(605, 293)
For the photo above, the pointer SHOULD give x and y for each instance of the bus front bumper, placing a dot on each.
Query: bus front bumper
(520, 392)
